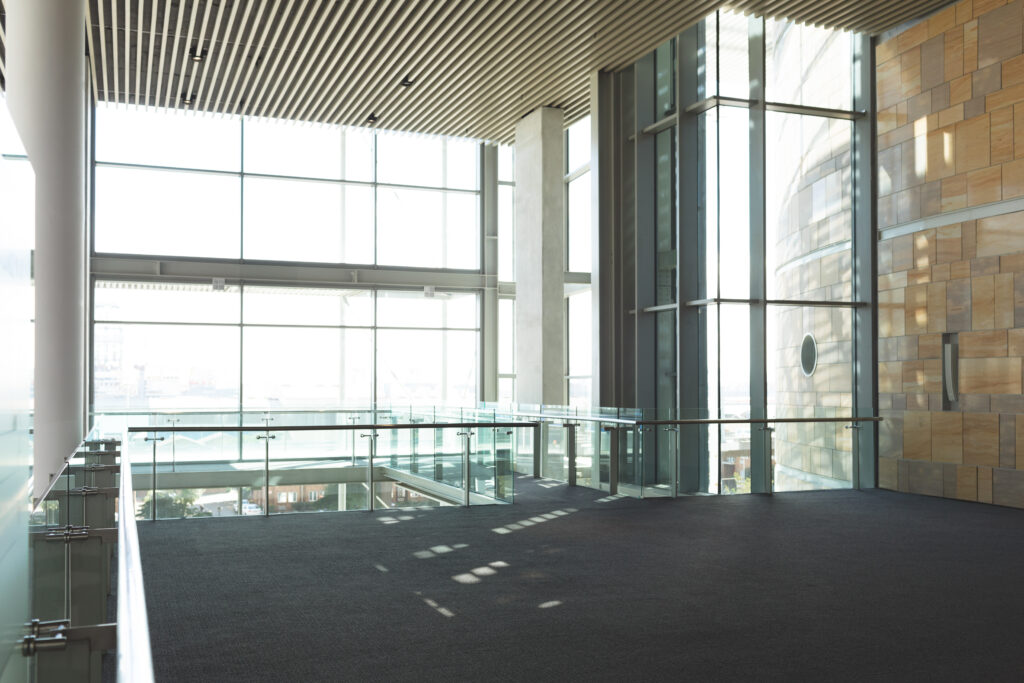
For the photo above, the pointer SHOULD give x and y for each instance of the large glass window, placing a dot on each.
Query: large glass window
(577, 196)
(176, 184)
(185, 346)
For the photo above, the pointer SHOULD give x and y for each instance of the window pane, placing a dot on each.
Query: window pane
(289, 148)
(506, 336)
(165, 367)
(734, 202)
(167, 137)
(735, 397)
(167, 213)
(295, 220)
(506, 164)
(733, 55)
(417, 309)
(410, 160)
(359, 145)
(506, 390)
(810, 374)
(18, 202)
(665, 79)
(708, 208)
(809, 203)
(307, 306)
(426, 367)
(299, 368)
(506, 233)
(428, 229)
(580, 334)
(164, 302)
(462, 162)
(808, 65)
(10, 141)
(665, 216)
(579, 144)
(579, 224)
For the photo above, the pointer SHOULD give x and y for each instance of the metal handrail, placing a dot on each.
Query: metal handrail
(314, 428)
(134, 655)
(767, 420)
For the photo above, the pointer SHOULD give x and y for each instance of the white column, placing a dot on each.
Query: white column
(46, 90)
(540, 257)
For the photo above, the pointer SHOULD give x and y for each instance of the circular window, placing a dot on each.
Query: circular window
(808, 355)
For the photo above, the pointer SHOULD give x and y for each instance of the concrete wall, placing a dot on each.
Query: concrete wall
(950, 165)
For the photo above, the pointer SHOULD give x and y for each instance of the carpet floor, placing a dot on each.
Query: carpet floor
(567, 585)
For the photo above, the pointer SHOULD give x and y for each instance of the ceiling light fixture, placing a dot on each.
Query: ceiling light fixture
(187, 100)
(406, 82)
(197, 55)
(372, 118)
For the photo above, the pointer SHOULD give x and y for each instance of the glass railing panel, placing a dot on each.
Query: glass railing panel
(555, 456)
(316, 470)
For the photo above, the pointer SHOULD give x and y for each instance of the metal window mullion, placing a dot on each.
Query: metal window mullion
(760, 439)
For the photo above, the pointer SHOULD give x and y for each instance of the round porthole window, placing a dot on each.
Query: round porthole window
(808, 355)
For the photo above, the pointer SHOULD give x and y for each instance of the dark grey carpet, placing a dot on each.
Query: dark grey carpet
(804, 586)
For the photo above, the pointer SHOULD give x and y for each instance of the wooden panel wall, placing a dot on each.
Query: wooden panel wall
(951, 136)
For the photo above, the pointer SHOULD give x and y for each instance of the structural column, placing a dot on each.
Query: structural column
(46, 89)
(540, 257)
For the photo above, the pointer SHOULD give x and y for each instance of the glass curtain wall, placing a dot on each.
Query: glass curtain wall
(754, 317)
(579, 335)
(252, 195)
(506, 342)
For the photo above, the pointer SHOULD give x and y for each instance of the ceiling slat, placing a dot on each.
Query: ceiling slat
(194, 54)
(207, 57)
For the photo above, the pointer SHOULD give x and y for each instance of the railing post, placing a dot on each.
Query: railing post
(613, 460)
(675, 461)
(537, 431)
(372, 436)
(769, 470)
(266, 470)
(152, 511)
(570, 450)
(465, 466)
(855, 454)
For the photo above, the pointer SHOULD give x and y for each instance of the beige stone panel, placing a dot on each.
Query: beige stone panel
(890, 377)
(983, 304)
(916, 34)
(984, 186)
(1013, 71)
(948, 437)
(970, 149)
(1008, 488)
(1000, 234)
(988, 344)
(970, 46)
(929, 346)
(1020, 441)
(916, 310)
(902, 253)
(941, 145)
(888, 477)
(937, 307)
(959, 270)
(1012, 263)
(947, 243)
(967, 482)
(981, 439)
(1001, 135)
(951, 115)
(924, 248)
(919, 276)
(986, 80)
(891, 319)
(940, 272)
(999, 34)
(985, 265)
(890, 119)
(887, 50)
(964, 11)
(984, 484)
(887, 82)
(1005, 97)
(1003, 316)
(954, 192)
(917, 435)
(910, 73)
(1018, 131)
(893, 280)
(922, 376)
(942, 21)
(896, 137)
(990, 376)
(1014, 343)
(960, 89)
(1013, 179)
(986, 6)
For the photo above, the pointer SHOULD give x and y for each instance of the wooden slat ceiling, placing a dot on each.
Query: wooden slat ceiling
(476, 66)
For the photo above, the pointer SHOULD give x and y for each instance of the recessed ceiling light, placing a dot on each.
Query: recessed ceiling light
(406, 82)
(372, 118)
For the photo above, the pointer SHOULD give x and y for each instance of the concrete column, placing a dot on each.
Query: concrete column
(46, 90)
(540, 257)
